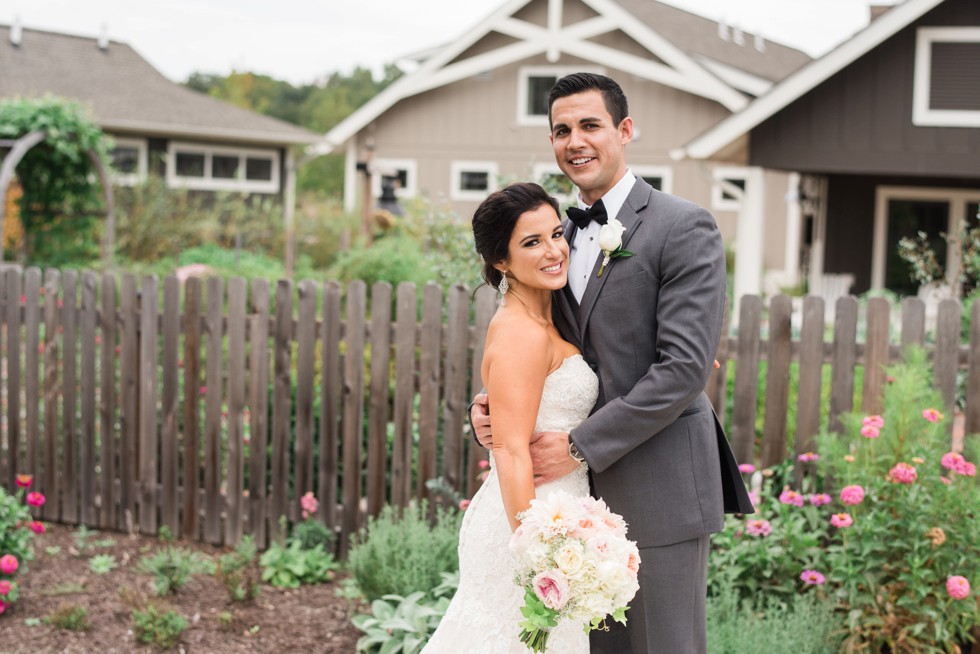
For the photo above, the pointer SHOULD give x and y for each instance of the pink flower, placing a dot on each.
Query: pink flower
(791, 497)
(932, 415)
(551, 588)
(758, 528)
(37, 527)
(35, 499)
(755, 499)
(852, 495)
(464, 504)
(309, 504)
(3, 607)
(903, 473)
(8, 564)
(809, 457)
(24, 480)
(841, 520)
(746, 468)
(870, 431)
(873, 421)
(484, 464)
(952, 460)
(958, 587)
(4, 587)
(812, 578)
(968, 469)
(819, 499)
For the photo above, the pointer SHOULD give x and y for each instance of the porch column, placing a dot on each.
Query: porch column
(289, 212)
(749, 238)
(350, 176)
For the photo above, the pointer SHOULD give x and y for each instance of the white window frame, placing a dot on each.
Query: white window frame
(525, 73)
(207, 183)
(457, 168)
(142, 157)
(718, 200)
(666, 173)
(957, 198)
(922, 114)
(541, 169)
(410, 166)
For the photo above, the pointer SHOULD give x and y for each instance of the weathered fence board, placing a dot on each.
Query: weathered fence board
(95, 411)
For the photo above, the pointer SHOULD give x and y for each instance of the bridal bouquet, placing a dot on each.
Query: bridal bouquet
(574, 563)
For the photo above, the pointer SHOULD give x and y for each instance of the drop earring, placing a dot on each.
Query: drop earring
(502, 287)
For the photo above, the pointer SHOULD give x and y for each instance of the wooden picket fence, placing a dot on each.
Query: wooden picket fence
(211, 408)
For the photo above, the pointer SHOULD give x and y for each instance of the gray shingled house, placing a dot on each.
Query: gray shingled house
(159, 127)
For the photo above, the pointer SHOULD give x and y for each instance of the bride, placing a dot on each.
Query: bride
(536, 381)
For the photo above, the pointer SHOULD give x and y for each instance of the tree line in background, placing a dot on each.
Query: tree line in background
(317, 106)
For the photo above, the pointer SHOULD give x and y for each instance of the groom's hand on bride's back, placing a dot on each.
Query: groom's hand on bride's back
(480, 419)
(549, 456)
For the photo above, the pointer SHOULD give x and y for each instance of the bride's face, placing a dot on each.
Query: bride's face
(537, 256)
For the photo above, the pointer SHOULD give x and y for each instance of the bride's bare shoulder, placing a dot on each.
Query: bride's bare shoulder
(515, 334)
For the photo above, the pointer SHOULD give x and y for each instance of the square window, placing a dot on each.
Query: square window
(258, 169)
(734, 181)
(538, 87)
(471, 180)
(224, 166)
(189, 164)
(126, 160)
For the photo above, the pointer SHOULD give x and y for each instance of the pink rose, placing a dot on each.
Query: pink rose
(841, 520)
(958, 587)
(852, 495)
(8, 564)
(903, 473)
(551, 588)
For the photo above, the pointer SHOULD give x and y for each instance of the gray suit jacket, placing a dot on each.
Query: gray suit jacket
(650, 327)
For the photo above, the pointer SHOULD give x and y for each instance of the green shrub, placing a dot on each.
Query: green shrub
(392, 259)
(400, 551)
(404, 624)
(70, 617)
(172, 566)
(291, 566)
(237, 571)
(155, 626)
(311, 532)
(102, 564)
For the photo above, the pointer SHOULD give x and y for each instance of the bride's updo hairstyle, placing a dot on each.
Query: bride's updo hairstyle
(495, 218)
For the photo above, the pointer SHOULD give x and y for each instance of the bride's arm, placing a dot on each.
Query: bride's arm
(515, 377)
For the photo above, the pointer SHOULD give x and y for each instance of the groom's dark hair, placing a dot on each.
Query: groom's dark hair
(612, 93)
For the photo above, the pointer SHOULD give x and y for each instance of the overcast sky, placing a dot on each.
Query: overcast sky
(303, 40)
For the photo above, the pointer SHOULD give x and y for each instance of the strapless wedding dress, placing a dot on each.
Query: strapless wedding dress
(484, 615)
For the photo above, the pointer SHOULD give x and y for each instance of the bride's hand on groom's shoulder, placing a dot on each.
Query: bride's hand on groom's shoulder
(549, 455)
(480, 419)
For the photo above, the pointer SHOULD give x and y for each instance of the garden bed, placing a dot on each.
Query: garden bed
(311, 618)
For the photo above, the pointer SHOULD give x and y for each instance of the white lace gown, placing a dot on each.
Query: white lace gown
(484, 615)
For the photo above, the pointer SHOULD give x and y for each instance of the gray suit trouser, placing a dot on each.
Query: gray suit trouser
(673, 583)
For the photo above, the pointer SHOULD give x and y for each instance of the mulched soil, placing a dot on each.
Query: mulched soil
(308, 619)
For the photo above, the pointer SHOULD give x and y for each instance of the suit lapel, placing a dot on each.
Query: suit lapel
(628, 215)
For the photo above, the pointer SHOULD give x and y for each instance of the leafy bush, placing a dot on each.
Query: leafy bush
(17, 530)
(102, 564)
(392, 259)
(291, 566)
(311, 533)
(172, 566)
(237, 571)
(404, 624)
(70, 617)
(401, 551)
(155, 626)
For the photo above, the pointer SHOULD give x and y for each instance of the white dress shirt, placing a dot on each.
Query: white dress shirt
(585, 245)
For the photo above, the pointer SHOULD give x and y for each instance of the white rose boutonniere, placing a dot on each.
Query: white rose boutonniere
(611, 243)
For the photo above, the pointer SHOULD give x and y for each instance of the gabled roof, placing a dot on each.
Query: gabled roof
(125, 93)
(682, 46)
(804, 80)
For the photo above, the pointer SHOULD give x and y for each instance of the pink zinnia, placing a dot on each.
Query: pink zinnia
(746, 468)
(841, 520)
(932, 415)
(37, 527)
(968, 469)
(952, 460)
(809, 457)
(4, 587)
(819, 499)
(852, 495)
(873, 421)
(958, 587)
(758, 528)
(870, 431)
(8, 564)
(24, 480)
(791, 497)
(35, 499)
(903, 473)
(812, 578)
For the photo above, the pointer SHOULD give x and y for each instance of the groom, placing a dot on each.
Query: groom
(649, 327)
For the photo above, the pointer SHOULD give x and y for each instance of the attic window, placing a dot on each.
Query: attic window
(221, 168)
(723, 197)
(534, 85)
(946, 90)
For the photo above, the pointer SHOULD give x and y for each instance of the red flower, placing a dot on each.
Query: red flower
(37, 527)
(35, 499)
(24, 480)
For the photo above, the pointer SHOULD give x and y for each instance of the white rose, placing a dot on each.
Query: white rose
(611, 235)
(570, 557)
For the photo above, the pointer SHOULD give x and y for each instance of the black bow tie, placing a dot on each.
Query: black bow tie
(581, 217)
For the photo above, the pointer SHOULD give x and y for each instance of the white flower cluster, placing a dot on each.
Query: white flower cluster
(575, 557)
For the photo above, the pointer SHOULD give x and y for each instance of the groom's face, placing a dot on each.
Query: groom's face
(589, 147)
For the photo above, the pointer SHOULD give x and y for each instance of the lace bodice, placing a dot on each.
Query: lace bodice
(484, 615)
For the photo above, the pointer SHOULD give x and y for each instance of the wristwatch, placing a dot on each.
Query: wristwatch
(573, 450)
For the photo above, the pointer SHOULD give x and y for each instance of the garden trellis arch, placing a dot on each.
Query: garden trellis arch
(18, 149)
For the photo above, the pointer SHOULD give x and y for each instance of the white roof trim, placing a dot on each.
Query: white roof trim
(736, 78)
(805, 79)
(680, 71)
